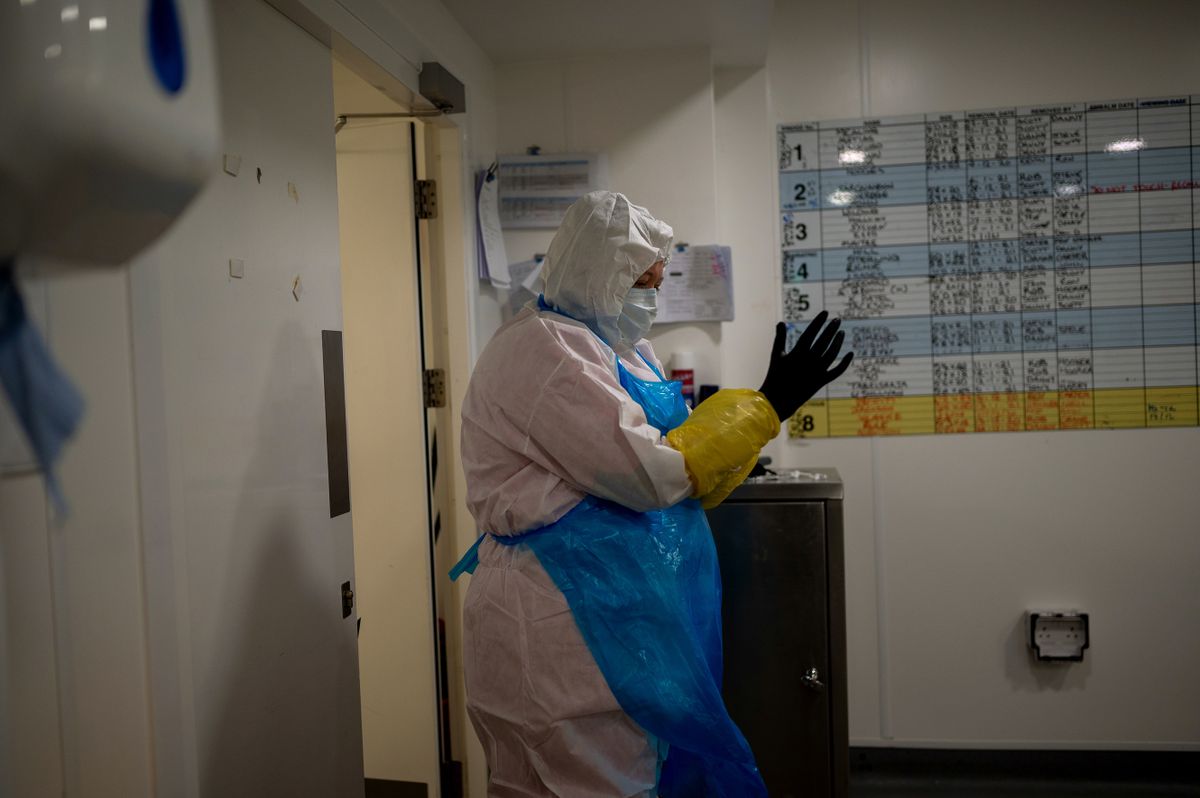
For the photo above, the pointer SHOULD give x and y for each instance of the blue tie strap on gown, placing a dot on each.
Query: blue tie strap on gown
(645, 592)
(44, 401)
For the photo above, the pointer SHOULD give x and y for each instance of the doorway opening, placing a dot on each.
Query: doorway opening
(390, 318)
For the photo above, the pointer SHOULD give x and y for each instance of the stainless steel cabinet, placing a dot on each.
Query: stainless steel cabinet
(779, 540)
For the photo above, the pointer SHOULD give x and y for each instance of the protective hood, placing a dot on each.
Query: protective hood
(603, 246)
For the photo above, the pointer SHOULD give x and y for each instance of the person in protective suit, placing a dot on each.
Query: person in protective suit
(592, 643)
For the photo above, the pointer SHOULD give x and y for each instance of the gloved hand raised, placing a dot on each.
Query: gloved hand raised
(795, 377)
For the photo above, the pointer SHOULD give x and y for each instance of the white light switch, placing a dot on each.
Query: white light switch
(233, 164)
(237, 268)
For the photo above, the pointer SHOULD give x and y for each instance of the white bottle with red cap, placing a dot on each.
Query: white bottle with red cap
(683, 369)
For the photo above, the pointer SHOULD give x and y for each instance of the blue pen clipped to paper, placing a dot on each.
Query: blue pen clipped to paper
(44, 401)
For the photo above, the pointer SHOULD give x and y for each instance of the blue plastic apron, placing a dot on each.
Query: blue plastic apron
(645, 591)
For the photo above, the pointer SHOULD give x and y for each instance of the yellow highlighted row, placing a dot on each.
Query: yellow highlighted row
(998, 412)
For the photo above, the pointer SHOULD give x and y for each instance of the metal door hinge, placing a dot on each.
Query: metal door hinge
(435, 388)
(425, 199)
(347, 600)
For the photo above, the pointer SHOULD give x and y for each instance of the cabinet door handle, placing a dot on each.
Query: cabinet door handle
(812, 680)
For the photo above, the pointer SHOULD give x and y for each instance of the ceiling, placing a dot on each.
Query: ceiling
(511, 31)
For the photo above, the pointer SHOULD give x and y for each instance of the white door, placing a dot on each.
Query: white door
(254, 668)
(387, 438)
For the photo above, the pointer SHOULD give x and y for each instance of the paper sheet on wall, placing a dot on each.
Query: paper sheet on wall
(536, 190)
(480, 257)
(697, 286)
(490, 237)
(531, 273)
(526, 283)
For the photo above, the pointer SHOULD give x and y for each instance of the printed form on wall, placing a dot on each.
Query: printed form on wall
(697, 285)
(1002, 270)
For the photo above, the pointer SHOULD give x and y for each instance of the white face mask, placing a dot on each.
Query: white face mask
(641, 306)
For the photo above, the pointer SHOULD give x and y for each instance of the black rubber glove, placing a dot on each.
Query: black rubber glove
(795, 377)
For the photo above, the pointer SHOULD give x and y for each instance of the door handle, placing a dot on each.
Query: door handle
(812, 680)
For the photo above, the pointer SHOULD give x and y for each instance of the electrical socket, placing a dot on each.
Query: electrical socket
(1058, 635)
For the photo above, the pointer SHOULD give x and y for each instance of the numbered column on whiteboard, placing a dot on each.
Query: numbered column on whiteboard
(803, 298)
(803, 271)
(803, 274)
(800, 223)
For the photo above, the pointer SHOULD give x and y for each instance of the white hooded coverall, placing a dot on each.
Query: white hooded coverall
(546, 422)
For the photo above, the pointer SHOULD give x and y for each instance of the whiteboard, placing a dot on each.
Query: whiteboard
(1002, 270)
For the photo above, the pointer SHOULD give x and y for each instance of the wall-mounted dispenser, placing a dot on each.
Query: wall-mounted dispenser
(110, 128)
(110, 124)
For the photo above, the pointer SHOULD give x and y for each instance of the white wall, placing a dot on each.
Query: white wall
(652, 115)
(942, 559)
(1087, 519)
(77, 719)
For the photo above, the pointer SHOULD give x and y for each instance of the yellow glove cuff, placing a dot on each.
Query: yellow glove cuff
(721, 440)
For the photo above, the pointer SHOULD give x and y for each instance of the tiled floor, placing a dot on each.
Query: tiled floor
(381, 788)
(899, 773)
(1013, 788)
